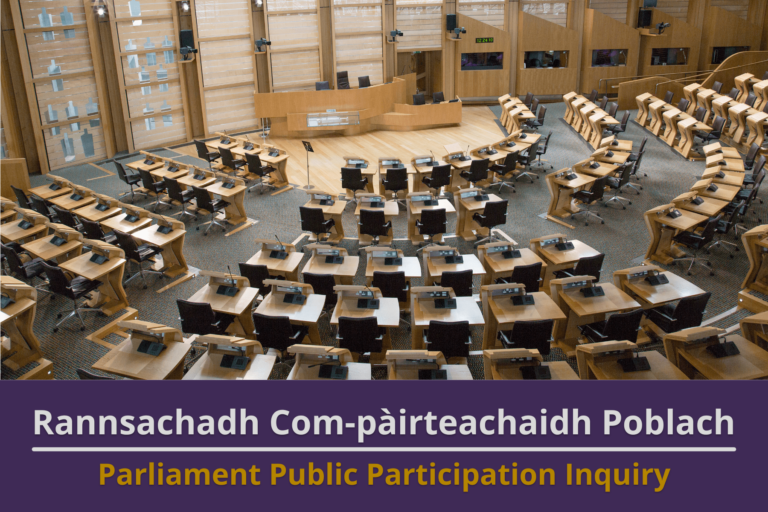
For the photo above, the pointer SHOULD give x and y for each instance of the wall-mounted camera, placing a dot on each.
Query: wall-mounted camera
(261, 45)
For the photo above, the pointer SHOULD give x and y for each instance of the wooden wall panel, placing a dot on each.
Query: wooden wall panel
(491, 13)
(222, 18)
(158, 131)
(678, 35)
(616, 9)
(295, 57)
(736, 7)
(481, 83)
(230, 109)
(227, 62)
(537, 34)
(678, 9)
(602, 32)
(725, 28)
(553, 12)
(422, 24)
(358, 40)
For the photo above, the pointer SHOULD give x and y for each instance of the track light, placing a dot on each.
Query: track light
(100, 11)
(258, 3)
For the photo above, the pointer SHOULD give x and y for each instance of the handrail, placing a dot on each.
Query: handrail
(711, 73)
(635, 77)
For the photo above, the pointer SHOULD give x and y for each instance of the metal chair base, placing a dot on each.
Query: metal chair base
(501, 184)
(587, 213)
(262, 184)
(491, 238)
(74, 312)
(526, 175)
(141, 272)
(696, 260)
(133, 193)
(616, 197)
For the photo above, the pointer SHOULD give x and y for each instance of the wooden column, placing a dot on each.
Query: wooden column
(513, 11)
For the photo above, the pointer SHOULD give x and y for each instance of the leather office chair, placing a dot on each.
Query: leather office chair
(432, 223)
(450, 338)
(255, 166)
(613, 108)
(393, 285)
(363, 82)
(21, 198)
(360, 335)
(74, 289)
(374, 224)
(494, 214)
(668, 97)
(528, 99)
(689, 312)
(507, 168)
(342, 80)
(322, 86)
(67, 218)
(132, 180)
(527, 158)
(750, 179)
(534, 124)
(749, 158)
(589, 198)
(229, 160)
(717, 87)
(322, 284)
(396, 181)
(604, 102)
(700, 113)
(352, 179)
(23, 266)
(200, 318)
(438, 97)
(587, 266)
(618, 327)
(277, 332)
(182, 196)
(204, 154)
(313, 220)
(460, 282)
(440, 177)
(541, 151)
(534, 106)
(138, 254)
(256, 274)
(41, 207)
(418, 99)
(750, 99)
(725, 226)
(530, 334)
(93, 231)
(696, 242)
(156, 187)
(748, 196)
(527, 275)
(212, 206)
(734, 93)
(478, 171)
(616, 184)
(616, 129)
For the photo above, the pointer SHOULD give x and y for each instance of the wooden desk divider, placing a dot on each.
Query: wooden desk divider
(643, 108)
(744, 83)
(695, 335)
(615, 144)
(755, 329)
(136, 211)
(506, 363)
(663, 228)
(755, 243)
(412, 361)
(31, 216)
(101, 248)
(600, 361)
(690, 92)
(162, 220)
(217, 344)
(18, 321)
(607, 350)
(566, 283)
(67, 233)
(280, 287)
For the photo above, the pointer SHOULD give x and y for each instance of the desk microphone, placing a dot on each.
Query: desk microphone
(434, 160)
(231, 277)
(467, 149)
(282, 247)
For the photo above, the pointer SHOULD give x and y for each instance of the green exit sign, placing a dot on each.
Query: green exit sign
(483, 39)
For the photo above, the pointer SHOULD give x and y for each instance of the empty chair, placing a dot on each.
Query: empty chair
(352, 179)
(93, 231)
(683, 104)
(393, 285)
(438, 97)
(700, 113)
(542, 150)
(534, 105)
(363, 82)
(529, 99)
(255, 166)
(342, 80)
(618, 327)
(418, 99)
(205, 154)
(396, 181)
(612, 109)
(450, 338)
(478, 171)
(530, 334)
(431, 224)
(24, 267)
(313, 220)
(589, 198)
(718, 86)
(749, 158)
(229, 160)
(322, 86)
(460, 282)
(507, 168)
(212, 206)
(587, 266)
(181, 196)
(440, 177)
(534, 124)
(21, 198)
(494, 214)
(592, 96)
(527, 275)
(41, 207)
(734, 93)
(616, 129)
(277, 332)
(130, 179)
(200, 318)
(75, 289)
(360, 335)
(374, 224)
(668, 97)
(604, 102)
(527, 159)
(689, 312)
(725, 226)
(138, 254)
(67, 218)
(256, 274)
(750, 100)
(750, 179)
(696, 242)
(322, 284)
(616, 184)
(714, 135)
(156, 187)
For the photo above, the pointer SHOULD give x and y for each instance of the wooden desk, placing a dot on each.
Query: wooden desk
(723, 192)
(732, 178)
(111, 297)
(423, 311)
(413, 212)
(234, 213)
(8, 213)
(497, 266)
(735, 113)
(436, 265)
(671, 118)
(93, 214)
(643, 111)
(147, 163)
(633, 282)
(753, 328)
(663, 229)
(343, 273)
(710, 207)
(716, 149)
(43, 248)
(506, 364)
(11, 232)
(568, 99)
(761, 91)
(602, 169)
(755, 243)
(66, 203)
(125, 359)
(705, 98)
(422, 169)
(18, 321)
(366, 170)
(722, 105)
(207, 178)
(599, 361)
(288, 267)
(757, 123)
(208, 367)
(333, 211)
(724, 163)
(561, 190)
(405, 365)
(238, 306)
(310, 358)
(582, 121)
(657, 109)
(390, 209)
(689, 126)
(545, 248)
(691, 92)
(744, 83)
(172, 243)
(302, 314)
(466, 227)
(576, 106)
(614, 144)
(118, 223)
(376, 262)
(47, 193)
(607, 155)
(173, 171)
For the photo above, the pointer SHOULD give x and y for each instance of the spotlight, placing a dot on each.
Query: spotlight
(394, 35)
(185, 6)
(261, 44)
(100, 11)
(258, 3)
(458, 31)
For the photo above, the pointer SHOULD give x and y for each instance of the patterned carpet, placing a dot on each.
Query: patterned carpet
(623, 238)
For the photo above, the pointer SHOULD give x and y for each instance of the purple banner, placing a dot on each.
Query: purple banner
(379, 445)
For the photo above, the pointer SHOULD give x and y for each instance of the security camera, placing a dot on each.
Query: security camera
(661, 26)
(394, 34)
(458, 31)
(260, 43)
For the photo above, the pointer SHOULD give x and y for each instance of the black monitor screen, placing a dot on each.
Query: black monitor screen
(482, 61)
(609, 58)
(546, 59)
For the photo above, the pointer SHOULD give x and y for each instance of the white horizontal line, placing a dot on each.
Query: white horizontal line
(348, 449)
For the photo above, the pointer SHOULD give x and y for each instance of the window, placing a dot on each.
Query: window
(720, 53)
(481, 61)
(669, 56)
(609, 58)
(546, 59)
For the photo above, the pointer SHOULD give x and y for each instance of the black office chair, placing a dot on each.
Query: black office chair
(41, 207)
(460, 282)
(256, 274)
(130, 179)
(530, 334)
(255, 166)
(618, 183)
(342, 80)
(689, 312)
(229, 160)
(352, 179)
(374, 224)
(527, 275)
(717, 130)
(613, 108)
(418, 99)
(86, 375)
(212, 206)
(478, 171)
(590, 197)
(363, 82)
(636, 168)
(322, 284)
(534, 124)
(156, 187)
(697, 242)
(724, 227)
(200, 318)
(138, 254)
(67, 218)
(450, 338)
(507, 168)
(494, 214)
(432, 223)
(616, 129)
(700, 113)
(93, 231)
(750, 99)
(440, 177)
(277, 332)
(750, 179)
(529, 99)
(668, 97)
(322, 86)
(527, 158)
(203, 153)
(587, 266)
(604, 102)
(618, 327)
(534, 106)
(393, 285)
(717, 87)
(21, 198)
(438, 97)
(360, 335)
(74, 289)
(749, 158)
(734, 93)
(396, 181)
(313, 220)
(541, 151)
(182, 196)
(748, 196)
(23, 266)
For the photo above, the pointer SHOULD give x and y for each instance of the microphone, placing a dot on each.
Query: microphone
(434, 160)
(282, 247)
(467, 149)
(231, 277)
